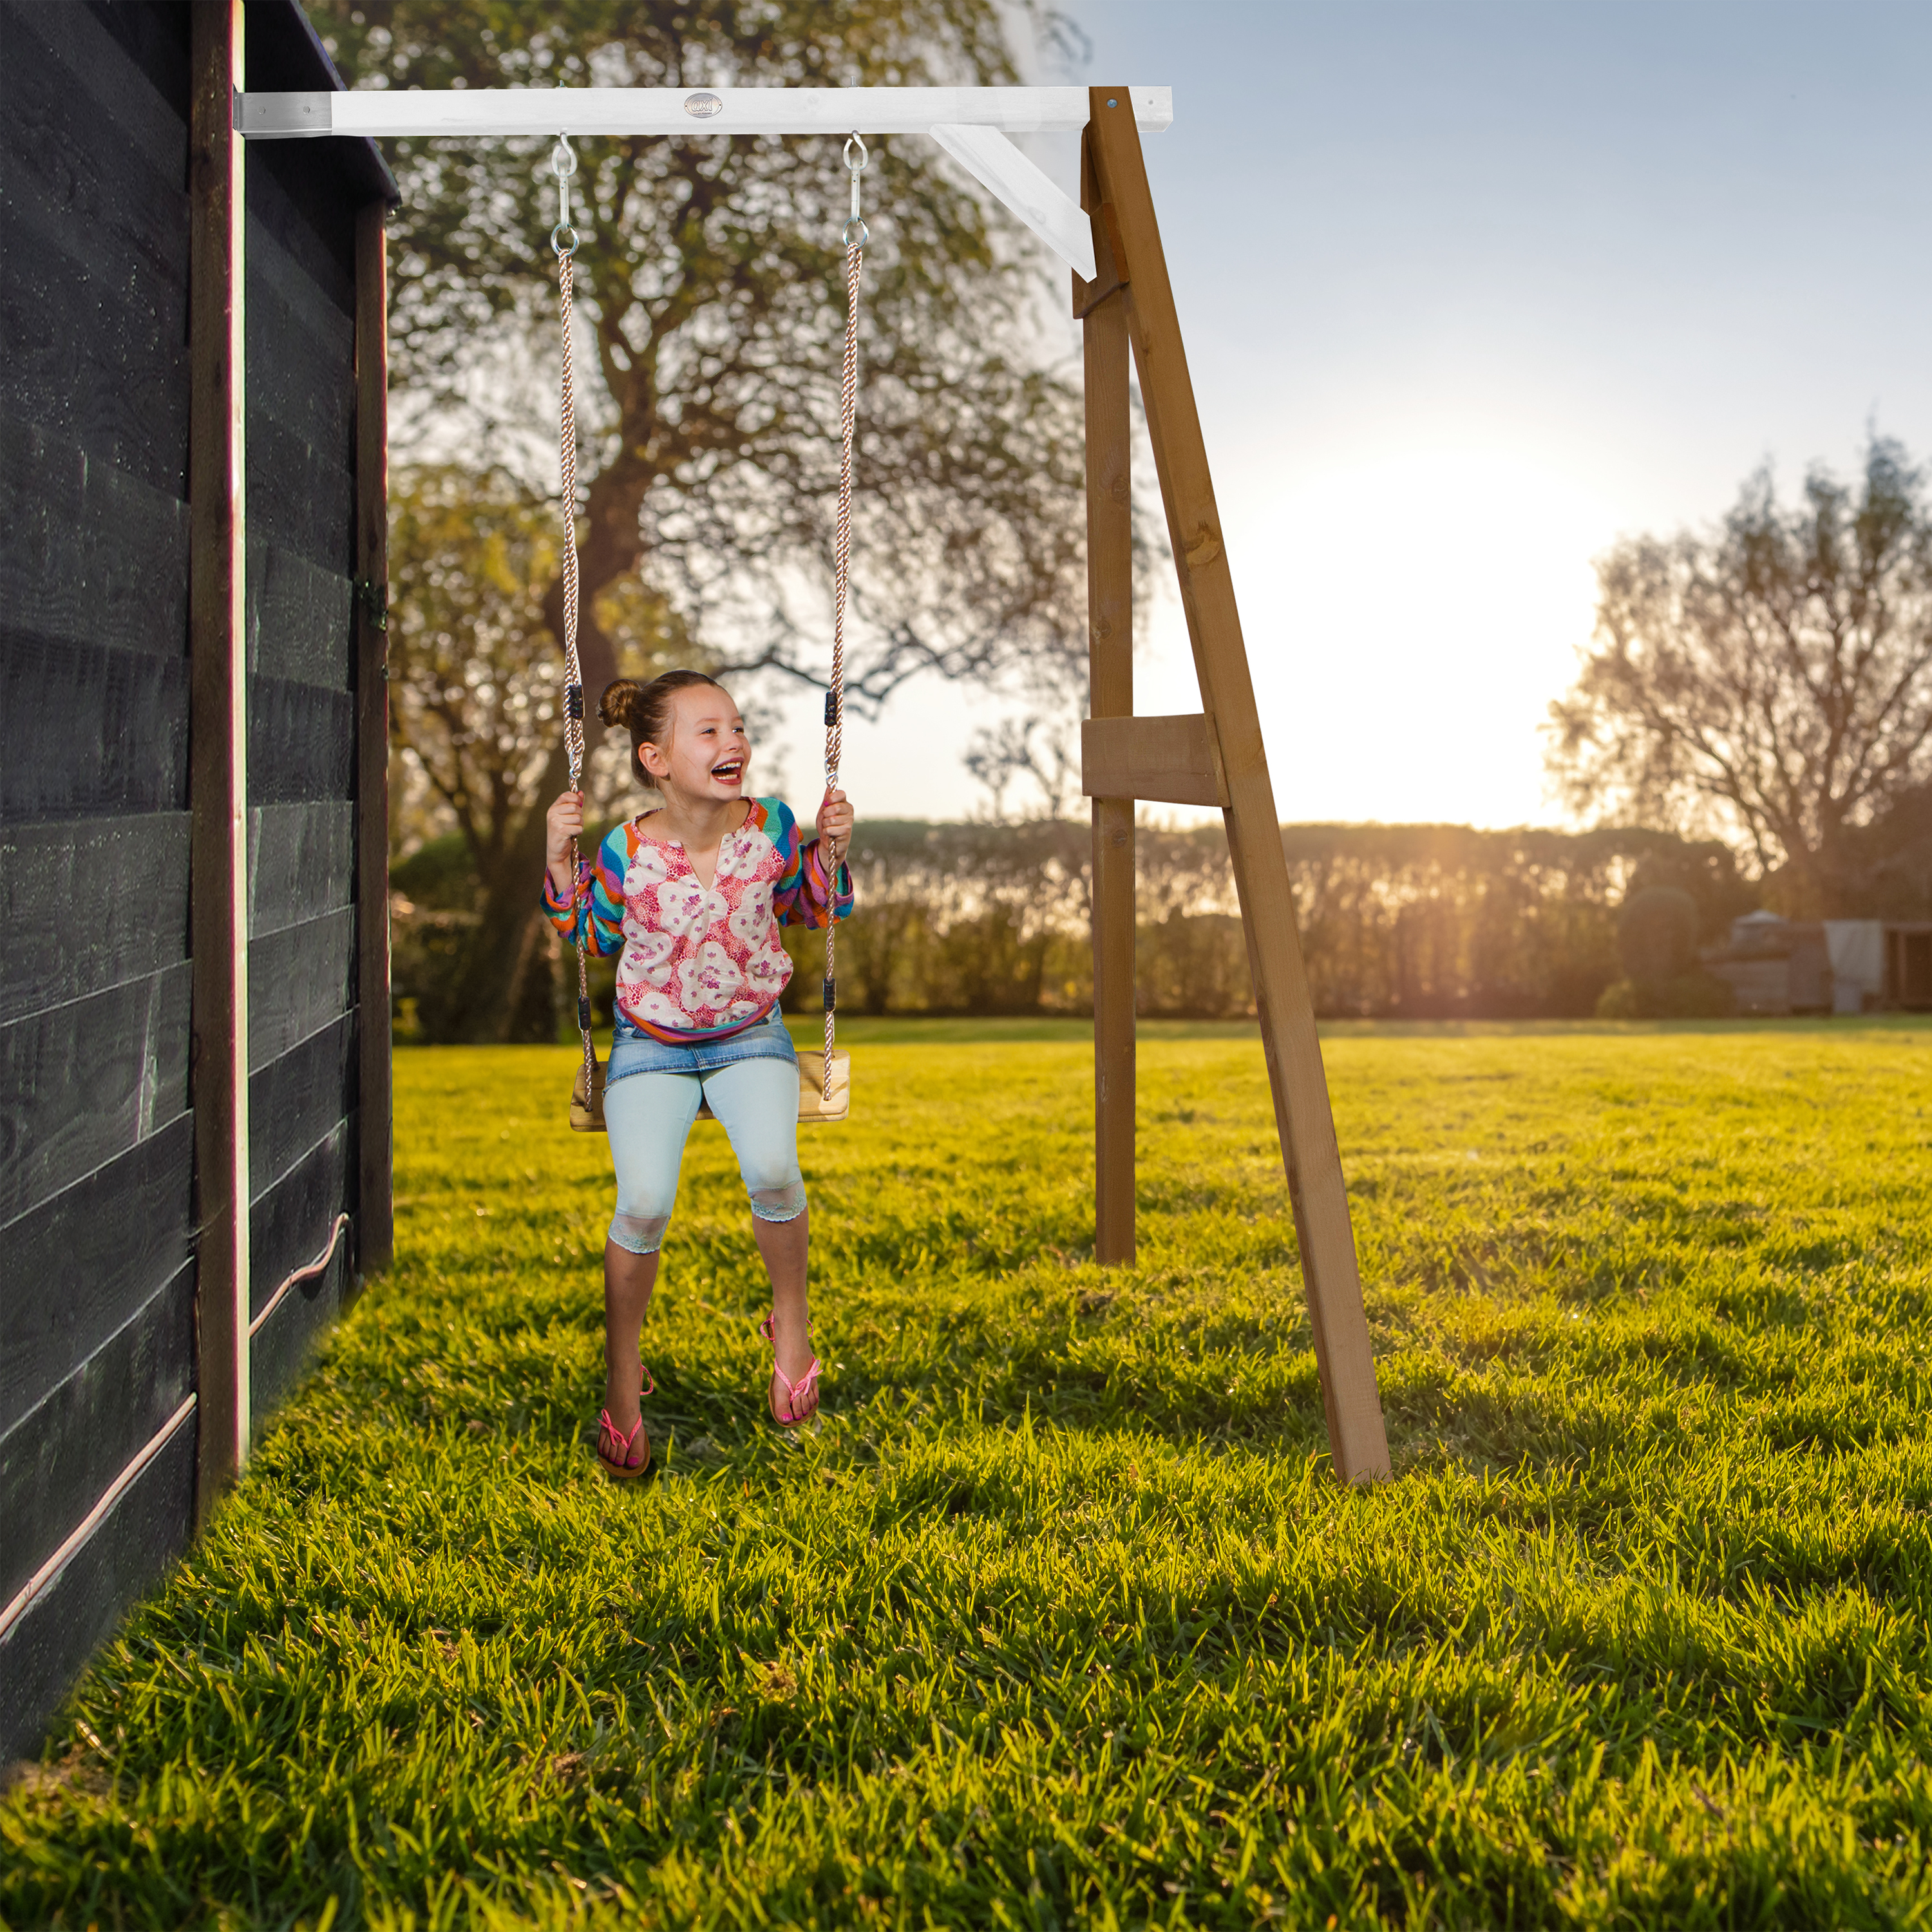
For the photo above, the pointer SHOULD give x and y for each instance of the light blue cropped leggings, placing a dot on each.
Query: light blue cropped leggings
(649, 1115)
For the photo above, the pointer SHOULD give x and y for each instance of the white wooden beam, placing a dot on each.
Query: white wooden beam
(376, 113)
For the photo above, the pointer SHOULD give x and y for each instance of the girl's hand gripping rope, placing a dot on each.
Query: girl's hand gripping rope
(563, 825)
(834, 828)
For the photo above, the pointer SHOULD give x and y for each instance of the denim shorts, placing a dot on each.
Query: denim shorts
(751, 1081)
(634, 1050)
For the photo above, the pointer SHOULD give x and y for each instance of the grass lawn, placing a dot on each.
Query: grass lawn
(1059, 1617)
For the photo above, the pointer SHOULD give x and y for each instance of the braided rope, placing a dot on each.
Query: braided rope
(848, 406)
(573, 670)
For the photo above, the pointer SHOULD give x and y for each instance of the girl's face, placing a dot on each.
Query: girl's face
(705, 752)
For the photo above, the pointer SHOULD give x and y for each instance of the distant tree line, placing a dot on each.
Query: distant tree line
(1418, 921)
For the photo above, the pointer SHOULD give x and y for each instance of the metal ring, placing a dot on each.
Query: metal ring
(863, 236)
(857, 166)
(557, 241)
(563, 158)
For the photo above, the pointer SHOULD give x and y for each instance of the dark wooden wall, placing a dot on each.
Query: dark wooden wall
(299, 315)
(97, 1333)
(97, 1272)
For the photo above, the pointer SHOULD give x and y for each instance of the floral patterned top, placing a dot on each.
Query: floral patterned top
(694, 962)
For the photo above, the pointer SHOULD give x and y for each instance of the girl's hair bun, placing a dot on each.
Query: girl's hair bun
(644, 711)
(620, 705)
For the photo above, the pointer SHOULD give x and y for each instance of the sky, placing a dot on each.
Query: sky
(1470, 291)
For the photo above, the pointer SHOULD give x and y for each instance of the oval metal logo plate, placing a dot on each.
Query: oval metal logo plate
(702, 107)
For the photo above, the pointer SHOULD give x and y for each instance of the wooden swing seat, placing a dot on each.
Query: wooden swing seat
(586, 1111)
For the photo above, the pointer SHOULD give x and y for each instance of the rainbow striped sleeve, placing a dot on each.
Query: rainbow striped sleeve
(597, 912)
(804, 895)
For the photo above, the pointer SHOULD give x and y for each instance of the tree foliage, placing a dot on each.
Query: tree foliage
(1656, 933)
(1771, 680)
(711, 308)
(475, 679)
(711, 284)
(1397, 921)
(475, 712)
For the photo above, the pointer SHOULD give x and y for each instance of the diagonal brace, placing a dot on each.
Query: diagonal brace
(992, 160)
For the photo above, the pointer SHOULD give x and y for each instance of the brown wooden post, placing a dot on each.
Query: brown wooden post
(1110, 645)
(375, 1222)
(218, 751)
(1356, 1440)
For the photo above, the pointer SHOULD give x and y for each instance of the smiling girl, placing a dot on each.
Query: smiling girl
(690, 898)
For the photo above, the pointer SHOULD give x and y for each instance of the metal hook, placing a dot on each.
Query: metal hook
(563, 165)
(851, 239)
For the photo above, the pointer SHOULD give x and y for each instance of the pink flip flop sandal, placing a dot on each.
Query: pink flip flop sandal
(801, 1396)
(614, 1447)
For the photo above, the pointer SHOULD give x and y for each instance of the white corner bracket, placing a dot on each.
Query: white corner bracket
(992, 160)
(972, 124)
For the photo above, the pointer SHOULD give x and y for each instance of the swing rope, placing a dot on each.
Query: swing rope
(854, 238)
(563, 239)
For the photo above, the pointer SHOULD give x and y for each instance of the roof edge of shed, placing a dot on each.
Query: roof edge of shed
(285, 54)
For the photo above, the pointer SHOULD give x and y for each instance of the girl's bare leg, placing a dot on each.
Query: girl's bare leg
(629, 1280)
(784, 1246)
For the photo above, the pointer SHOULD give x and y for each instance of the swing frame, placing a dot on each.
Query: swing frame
(1124, 299)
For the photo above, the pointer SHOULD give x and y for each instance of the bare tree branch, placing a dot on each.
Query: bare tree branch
(1771, 681)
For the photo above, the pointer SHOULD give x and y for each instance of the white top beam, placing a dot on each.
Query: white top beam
(499, 111)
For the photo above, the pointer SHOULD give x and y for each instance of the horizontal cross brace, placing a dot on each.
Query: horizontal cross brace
(970, 123)
(1164, 760)
(496, 112)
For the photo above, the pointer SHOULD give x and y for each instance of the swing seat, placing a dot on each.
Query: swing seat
(813, 1107)
(586, 1110)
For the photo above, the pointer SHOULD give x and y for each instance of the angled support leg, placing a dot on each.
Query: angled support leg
(1356, 1436)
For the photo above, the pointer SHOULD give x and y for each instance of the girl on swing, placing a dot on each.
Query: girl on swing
(690, 898)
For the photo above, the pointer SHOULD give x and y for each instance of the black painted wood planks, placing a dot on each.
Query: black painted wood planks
(80, 1264)
(88, 905)
(289, 1220)
(295, 1100)
(281, 1347)
(299, 980)
(88, 555)
(300, 618)
(58, 1459)
(83, 1082)
(144, 1530)
(301, 860)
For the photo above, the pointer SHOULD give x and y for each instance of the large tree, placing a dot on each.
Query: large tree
(1771, 680)
(711, 295)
